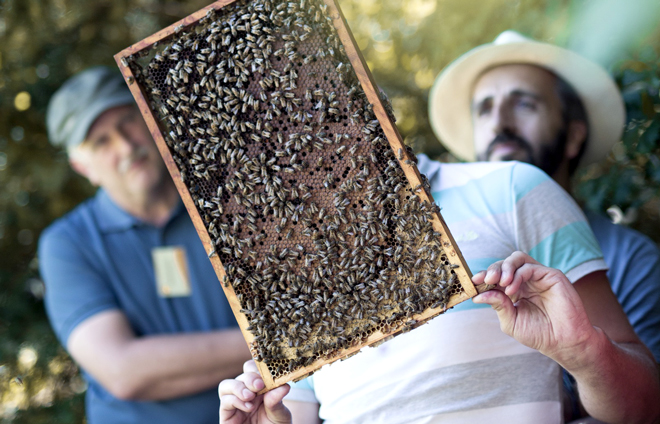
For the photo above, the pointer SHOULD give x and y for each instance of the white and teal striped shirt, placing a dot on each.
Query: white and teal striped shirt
(460, 368)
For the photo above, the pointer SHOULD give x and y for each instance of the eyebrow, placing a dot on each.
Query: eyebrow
(523, 93)
(514, 93)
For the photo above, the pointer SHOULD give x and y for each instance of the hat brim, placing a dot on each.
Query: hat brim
(91, 114)
(450, 97)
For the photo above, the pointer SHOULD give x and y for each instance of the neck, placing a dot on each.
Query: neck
(562, 177)
(153, 207)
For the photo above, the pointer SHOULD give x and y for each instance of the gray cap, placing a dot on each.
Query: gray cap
(81, 99)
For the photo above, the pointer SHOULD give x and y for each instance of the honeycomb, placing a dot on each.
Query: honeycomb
(321, 241)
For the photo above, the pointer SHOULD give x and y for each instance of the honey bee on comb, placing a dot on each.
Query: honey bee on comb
(323, 233)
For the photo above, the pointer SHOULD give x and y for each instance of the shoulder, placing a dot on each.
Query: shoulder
(72, 228)
(619, 235)
(449, 175)
(630, 254)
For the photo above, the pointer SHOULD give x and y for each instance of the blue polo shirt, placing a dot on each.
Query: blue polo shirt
(98, 257)
(634, 274)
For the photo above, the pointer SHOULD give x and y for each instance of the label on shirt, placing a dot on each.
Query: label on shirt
(171, 269)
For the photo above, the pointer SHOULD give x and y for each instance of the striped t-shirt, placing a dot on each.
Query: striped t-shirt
(460, 367)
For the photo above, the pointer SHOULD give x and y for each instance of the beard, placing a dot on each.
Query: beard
(549, 158)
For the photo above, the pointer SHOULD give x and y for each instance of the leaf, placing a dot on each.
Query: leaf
(630, 139)
(647, 105)
(650, 138)
(631, 76)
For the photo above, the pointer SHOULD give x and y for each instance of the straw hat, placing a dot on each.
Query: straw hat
(451, 95)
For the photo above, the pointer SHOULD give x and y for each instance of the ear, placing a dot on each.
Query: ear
(78, 163)
(575, 138)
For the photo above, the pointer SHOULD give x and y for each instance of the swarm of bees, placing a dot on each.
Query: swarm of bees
(321, 236)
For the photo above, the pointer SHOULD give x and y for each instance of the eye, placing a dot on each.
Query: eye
(526, 104)
(98, 143)
(484, 107)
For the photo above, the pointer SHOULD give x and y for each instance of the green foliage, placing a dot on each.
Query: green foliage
(630, 178)
(405, 42)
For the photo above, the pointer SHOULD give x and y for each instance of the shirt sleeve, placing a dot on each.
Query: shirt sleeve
(551, 227)
(634, 274)
(643, 305)
(75, 287)
(302, 391)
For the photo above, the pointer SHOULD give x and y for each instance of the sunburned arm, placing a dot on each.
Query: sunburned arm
(154, 367)
(617, 376)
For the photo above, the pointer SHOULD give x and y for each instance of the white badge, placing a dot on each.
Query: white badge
(171, 270)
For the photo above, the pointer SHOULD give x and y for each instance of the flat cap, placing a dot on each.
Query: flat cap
(82, 98)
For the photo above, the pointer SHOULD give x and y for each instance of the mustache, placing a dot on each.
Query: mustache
(508, 137)
(139, 153)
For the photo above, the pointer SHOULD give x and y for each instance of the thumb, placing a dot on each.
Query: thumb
(275, 409)
(503, 306)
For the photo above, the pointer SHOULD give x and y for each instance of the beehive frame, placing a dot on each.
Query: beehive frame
(294, 315)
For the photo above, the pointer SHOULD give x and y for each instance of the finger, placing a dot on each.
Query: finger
(520, 276)
(275, 409)
(250, 366)
(478, 278)
(511, 264)
(493, 273)
(230, 406)
(275, 396)
(230, 415)
(252, 381)
(500, 302)
(236, 388)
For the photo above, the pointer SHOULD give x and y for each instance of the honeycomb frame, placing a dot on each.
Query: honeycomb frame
(403, 207)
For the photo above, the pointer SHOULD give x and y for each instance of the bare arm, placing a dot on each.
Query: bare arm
(619, 360)
(583, 329)
(154, 367)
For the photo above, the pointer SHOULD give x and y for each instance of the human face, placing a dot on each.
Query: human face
(120, 155)
(517, 115)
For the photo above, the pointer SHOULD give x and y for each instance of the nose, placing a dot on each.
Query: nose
(124, 142)
(503, 118)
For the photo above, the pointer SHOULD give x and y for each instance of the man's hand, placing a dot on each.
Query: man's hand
(537, 306)
(583, 328)
(239, 402)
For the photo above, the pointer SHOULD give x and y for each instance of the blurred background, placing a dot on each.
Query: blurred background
(405, 42)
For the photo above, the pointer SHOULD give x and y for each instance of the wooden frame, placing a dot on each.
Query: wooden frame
(367, 83)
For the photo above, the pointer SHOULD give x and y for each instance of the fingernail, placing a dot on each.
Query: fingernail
(247, 393)
(248, 405)
(259, 384)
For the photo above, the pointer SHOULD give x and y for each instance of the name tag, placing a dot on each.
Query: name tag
(171, 269)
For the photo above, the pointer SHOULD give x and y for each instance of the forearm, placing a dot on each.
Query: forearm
(617, 383)
(164, 367)
(174, 387)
